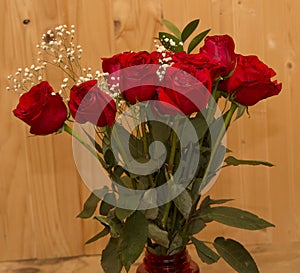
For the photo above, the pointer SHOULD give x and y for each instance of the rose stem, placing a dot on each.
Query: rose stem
(71, 132)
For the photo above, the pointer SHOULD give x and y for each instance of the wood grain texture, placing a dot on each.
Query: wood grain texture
(40, 189)
(275, 259)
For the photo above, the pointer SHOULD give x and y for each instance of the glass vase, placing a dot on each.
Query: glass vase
(178, 263)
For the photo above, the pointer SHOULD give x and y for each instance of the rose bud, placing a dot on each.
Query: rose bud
(220, 48)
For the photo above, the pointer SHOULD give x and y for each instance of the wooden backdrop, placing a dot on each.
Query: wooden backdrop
(40, 190)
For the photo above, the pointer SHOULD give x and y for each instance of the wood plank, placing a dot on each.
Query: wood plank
(282, 37)
(16, 217)
(41, 191)
(275, 259)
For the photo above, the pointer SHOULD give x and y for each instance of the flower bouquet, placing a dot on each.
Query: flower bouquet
(149, 140)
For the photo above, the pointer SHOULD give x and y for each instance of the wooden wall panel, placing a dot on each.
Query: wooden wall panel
(40, 189)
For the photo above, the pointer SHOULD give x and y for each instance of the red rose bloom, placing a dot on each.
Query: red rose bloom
(89, 103)
(251, 81)
(199, 61)
(187, 89)
(137, 80)
(112, 64)
(220, 48)
(42, 109)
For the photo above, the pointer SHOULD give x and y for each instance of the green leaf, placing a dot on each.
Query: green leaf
(106, 205)
(197, 40)
(207, 201)
(195, 226)
(206, 254)
(129, 202)
(236, 218)
(160, 131)
(91, 203)
(232, 161)
(158, 235)
(165, 38)
(118, 170)
(143, 182)
(228, 150)
(114, 225)
(133, 238)
(183, 203)
(240, 111)
(235, 255)
(110, 259)
(101, 234)
(200, 126)
(109, 158)
(106, 143)
(189, 29)
(151, 214)
(172, 27)
(136, 147)
(123, 213)
(127, 182)
(176, 244)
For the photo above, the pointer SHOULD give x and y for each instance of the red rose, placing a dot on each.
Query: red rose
(221, 49)
(199, 61)
(42, 109)
(112, 64)
(160, 57)
(137, 80)
(251, 81)
(89, 103)
(187, 88)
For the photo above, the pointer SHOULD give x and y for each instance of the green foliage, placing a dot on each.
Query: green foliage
(235, 255)
(207, 202)
(172, 27)
(133, 238)
(183, 202)
(165, 39)
(232, 161)
(106, 205)
(122, 214)
(99, 235)
(195, 226)
(241, 111)
(91, 203)
(151, 214)
(169, 228)
(158, 235)
(235, 217)
(180, 37)
(197, 40)
(189, 29)
(206, 254)
(176, 244)
(110, 259)
(113, 223)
